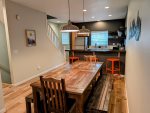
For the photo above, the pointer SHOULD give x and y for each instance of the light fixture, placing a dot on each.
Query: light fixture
(107, 7)
(84, 31)
(109, 15)
(84, 10)
(69, 27)
(93, 17)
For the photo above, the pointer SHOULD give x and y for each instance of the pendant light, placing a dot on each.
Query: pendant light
(69, 27)
(84, 31)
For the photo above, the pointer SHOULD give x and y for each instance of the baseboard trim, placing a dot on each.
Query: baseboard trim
(3, 110)
(127, 96)
(23, 81)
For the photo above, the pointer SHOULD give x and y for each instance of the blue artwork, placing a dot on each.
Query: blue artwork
(135, 28)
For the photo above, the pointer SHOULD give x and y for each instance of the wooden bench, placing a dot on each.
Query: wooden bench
(29, 100)
(99, 100)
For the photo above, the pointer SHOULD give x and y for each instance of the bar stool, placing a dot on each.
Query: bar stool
(115, 65)
(73, 58)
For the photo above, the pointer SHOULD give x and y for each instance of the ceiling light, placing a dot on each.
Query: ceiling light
(84, 10)
(109, 15)
(92, 17)
(107, 7)
(69, 27)
(58, 21)
(84, 31)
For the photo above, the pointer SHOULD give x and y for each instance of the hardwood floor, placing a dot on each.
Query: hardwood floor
(118, 100)
(15, 97)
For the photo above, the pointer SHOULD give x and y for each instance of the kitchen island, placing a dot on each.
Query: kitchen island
(102, 55)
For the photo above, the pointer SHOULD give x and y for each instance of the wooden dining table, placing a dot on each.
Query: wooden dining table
(79, 79)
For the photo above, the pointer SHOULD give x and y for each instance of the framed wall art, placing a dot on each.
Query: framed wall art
(135, 28)
(30, 37)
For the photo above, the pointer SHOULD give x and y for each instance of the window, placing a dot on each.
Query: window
(99, 38)
(65, 38)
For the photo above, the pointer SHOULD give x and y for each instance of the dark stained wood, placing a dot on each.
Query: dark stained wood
(54, 95)
(78, 78)
(99, 99)
(29, 100)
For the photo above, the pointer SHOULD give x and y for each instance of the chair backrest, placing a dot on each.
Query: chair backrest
(54, 97)
(93, 58)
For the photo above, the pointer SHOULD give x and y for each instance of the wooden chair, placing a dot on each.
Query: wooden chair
(54, 96)
(91, 58)
(73, 58)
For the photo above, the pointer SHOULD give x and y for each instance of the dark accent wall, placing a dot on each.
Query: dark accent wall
(111, 25)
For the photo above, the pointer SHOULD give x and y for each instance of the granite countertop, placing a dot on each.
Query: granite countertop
(95, 50)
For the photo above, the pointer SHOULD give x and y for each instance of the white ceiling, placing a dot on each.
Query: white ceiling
(96, 8)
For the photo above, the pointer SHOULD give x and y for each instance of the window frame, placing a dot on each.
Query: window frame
(68, 38)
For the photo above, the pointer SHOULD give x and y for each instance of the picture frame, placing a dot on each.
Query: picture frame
(30, 37)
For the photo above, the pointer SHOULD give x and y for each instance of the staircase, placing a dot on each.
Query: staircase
(5, 74)
(55, 40)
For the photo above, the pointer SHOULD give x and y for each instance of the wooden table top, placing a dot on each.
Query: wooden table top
(77, 76)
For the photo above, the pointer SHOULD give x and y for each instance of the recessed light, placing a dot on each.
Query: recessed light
(109, 15)
(84, 10)
(107, 7)
(92, 17)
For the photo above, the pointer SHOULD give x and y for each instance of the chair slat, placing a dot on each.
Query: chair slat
(52, 95)
(55, 96)
(47, 94)
(60, 96)
(55, 93)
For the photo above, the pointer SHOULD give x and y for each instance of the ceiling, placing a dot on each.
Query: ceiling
(96, 8)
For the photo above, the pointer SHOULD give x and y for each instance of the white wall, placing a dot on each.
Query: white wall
(138, 60)
(27, 60)
(4, 61)
(1, 92)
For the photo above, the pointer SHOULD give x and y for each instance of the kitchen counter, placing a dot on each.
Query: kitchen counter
(102, 55)
(97, 50)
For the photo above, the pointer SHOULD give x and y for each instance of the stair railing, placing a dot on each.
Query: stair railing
(55, 40)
